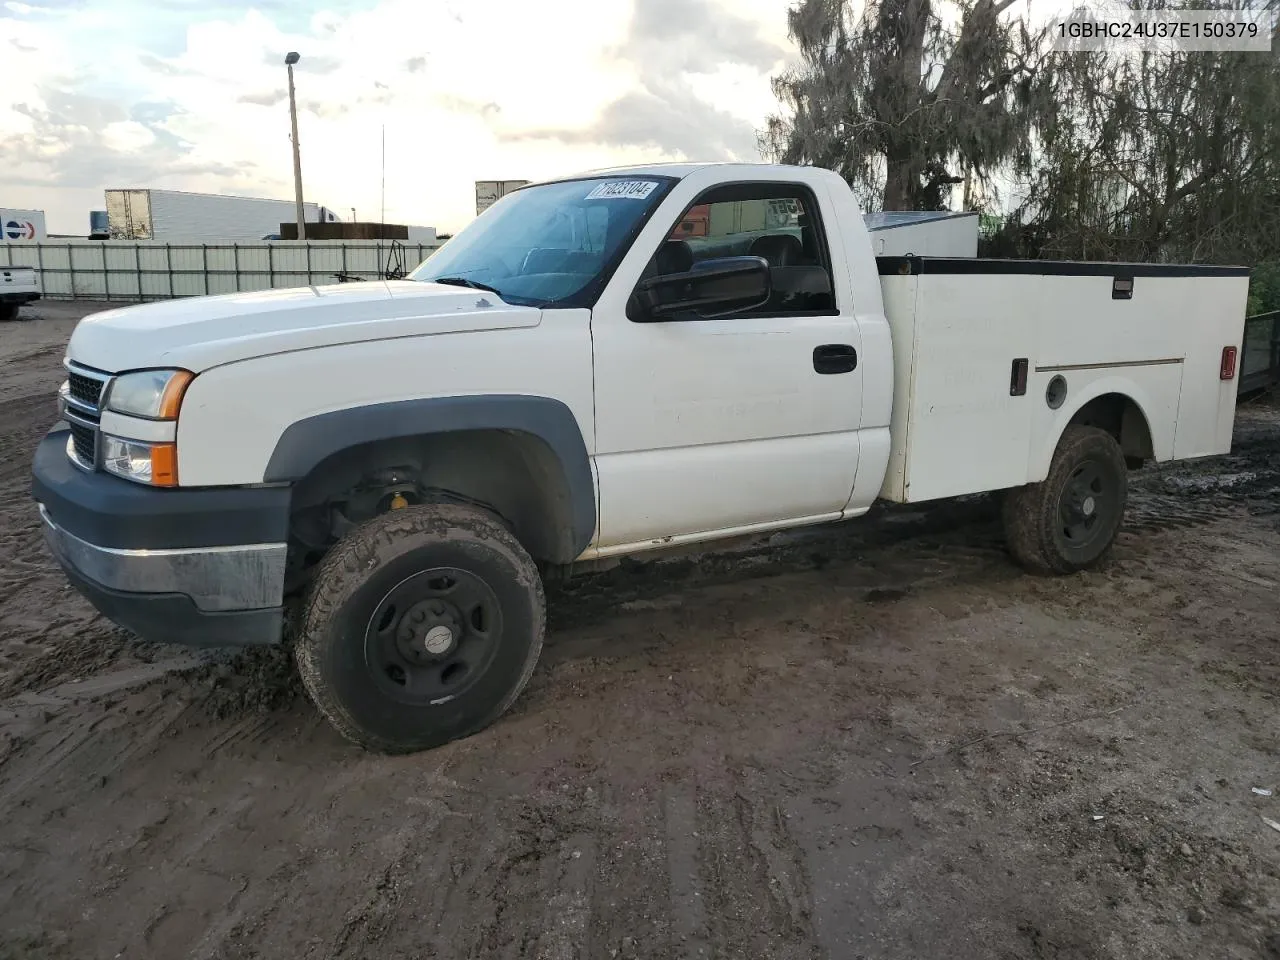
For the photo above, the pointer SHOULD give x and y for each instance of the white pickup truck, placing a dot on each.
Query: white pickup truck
(575, 377)
(18, 285)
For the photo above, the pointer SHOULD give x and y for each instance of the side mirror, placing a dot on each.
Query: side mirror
(713, 288)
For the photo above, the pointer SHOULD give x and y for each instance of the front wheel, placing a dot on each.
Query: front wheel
(422, 626)
(1070, 521)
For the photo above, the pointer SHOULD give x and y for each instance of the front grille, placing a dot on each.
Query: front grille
(87, 390)
(85, 441)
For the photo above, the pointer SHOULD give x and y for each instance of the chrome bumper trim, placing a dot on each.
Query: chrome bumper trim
(249, 577)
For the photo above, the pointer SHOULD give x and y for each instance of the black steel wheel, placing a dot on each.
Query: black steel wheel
(433, 635)
(1087, 505)
(1071, 520)
(422, 626)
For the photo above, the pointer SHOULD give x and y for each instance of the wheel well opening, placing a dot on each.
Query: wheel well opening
(514, 475)
(1124, 420)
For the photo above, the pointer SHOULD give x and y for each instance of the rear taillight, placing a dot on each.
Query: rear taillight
(1228, 369)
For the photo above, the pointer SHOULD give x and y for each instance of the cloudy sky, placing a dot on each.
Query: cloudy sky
(191, 94)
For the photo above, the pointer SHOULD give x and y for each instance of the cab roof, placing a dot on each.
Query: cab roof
(676, 170)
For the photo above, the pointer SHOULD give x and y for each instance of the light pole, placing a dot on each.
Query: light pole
(289, 60)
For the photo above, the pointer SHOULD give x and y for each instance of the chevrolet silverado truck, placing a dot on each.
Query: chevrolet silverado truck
(18, 285)
(572, 378)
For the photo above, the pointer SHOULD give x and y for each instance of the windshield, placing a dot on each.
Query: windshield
(552, 243)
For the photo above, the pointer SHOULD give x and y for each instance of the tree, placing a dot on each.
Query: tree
(1159, 155)
(908, 98)
(1264, 288)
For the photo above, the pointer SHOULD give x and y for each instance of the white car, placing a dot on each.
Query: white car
(572, 377)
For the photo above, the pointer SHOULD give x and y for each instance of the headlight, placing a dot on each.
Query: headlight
(151, 463)
(154, 394)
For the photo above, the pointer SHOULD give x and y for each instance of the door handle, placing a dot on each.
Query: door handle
(835, 358)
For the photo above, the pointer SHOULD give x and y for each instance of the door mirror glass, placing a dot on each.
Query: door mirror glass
(711, 289)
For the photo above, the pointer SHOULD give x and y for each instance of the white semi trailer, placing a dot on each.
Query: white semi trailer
(175, 216)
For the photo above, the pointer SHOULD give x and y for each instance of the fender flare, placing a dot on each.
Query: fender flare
(305, 444)
(1125, 387)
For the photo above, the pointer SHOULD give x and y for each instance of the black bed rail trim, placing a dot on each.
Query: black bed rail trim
(912, 266)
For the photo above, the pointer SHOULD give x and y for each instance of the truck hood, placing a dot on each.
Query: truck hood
(202, 332)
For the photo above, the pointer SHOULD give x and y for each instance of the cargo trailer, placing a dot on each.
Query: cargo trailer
(175, 216)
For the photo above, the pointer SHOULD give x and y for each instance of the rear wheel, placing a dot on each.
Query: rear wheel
(8, 311)
(422, 626)
(1070, 521)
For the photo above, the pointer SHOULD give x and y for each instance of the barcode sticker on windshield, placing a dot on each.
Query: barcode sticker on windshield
(622, 190)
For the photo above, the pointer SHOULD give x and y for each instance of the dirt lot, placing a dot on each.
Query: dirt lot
(879, 740)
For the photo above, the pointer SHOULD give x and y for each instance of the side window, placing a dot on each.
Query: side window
(778, 222)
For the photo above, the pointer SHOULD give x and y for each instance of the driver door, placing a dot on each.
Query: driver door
(735, 423)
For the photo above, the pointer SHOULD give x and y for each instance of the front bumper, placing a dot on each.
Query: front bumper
(196, 567)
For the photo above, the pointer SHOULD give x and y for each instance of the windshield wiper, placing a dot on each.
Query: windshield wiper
(464, 282)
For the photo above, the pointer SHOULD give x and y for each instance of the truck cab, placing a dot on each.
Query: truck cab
(602, 365)
(759, 418)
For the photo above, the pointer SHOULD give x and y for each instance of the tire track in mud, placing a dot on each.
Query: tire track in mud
(22, 423)
(549, 854)
(688, 890)
(507, 878)
(368, 922)
(556, 875)
(33, 374)
(755, 875)
(629, 905)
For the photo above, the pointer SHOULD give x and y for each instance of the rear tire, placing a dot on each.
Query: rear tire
(422, 626)
(8, 312)
(1070, 521)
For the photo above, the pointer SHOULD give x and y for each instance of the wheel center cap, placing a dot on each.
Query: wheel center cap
(438, 639)
(1088, 506)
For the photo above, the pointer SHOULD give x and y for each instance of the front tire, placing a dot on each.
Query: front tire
(1070, 521)
(422, 626)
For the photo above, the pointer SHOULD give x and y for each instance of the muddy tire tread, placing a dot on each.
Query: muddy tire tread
(1030, 515)
(344, 569)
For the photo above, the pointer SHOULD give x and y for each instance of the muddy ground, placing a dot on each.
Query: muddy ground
(878, 740)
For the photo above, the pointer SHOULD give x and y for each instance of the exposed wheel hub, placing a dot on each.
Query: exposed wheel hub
(429, 630)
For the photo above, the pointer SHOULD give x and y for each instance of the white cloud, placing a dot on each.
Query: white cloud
(127, 136)
(459, 87)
